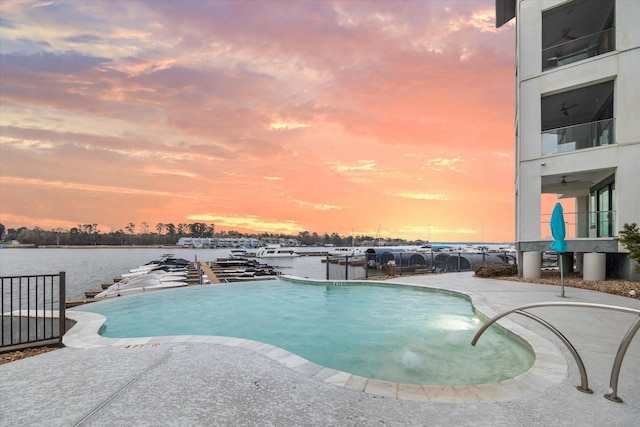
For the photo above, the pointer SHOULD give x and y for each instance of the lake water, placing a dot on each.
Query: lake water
(88, 269)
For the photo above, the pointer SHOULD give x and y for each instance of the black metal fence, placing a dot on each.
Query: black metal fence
(33, 310)
(345, 268)
(398, 263)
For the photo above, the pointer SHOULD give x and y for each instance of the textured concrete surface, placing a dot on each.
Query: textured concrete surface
(230, 382)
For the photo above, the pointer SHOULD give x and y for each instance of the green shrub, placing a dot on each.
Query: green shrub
(489, 269)
(630, 238)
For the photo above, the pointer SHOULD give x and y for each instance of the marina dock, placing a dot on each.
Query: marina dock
(206, 270)
(222, 270)
(240, 269)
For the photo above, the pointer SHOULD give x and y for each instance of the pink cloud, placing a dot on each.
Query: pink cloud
(365, 112)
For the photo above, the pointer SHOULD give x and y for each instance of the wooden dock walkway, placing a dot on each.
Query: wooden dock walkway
(206, 270)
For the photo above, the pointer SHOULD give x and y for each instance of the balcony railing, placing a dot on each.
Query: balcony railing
(578, 49)
(583, 224)
(578, 137)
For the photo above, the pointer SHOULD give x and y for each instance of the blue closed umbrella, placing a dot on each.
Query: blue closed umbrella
(558, 231)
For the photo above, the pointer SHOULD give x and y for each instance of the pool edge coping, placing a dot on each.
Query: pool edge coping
(549, 369)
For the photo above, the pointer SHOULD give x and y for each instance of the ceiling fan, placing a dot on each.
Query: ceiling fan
(564, 37)
(565, 182)
(565, 34)
(565, 110)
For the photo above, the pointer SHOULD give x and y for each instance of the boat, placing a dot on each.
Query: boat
(276, 252)
(345, 251)
(167, 262)
(241, 269)
(167, 272)
(144, 283)
(238, 253)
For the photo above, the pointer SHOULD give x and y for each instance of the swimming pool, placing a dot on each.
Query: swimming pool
(387, 332)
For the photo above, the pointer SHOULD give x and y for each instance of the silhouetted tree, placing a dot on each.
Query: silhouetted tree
(171, 229)
(183, 229)
(197, 229)
(131, 228)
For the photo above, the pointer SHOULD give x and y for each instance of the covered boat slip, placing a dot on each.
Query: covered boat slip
(434, 261)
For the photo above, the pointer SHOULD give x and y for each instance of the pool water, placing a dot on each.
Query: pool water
(387, 332)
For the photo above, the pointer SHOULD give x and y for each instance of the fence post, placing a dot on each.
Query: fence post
(366, 266)
(346, 267)
(62, 317)
(327, 267)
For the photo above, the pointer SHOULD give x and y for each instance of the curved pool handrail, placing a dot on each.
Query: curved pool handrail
(617, 363)
(624, 344)
(584, 383)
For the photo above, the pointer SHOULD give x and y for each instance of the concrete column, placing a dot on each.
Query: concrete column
(531, 265)
(595, 266)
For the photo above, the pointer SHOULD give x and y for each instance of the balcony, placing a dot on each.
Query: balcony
(578, 137)
(601, 224)
(577, 30)
(578, 49)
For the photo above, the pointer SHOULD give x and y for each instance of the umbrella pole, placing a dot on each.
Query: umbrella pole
(561, 276)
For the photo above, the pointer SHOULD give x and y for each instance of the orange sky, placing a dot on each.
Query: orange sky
(259, 116)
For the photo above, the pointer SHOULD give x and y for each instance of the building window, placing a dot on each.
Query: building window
(578, 119)
(577, 30)
(603, 198)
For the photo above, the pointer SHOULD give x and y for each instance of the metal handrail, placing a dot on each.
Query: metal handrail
(622, 349)
(575, 126)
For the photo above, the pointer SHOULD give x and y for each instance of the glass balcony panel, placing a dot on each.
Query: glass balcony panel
(578, 49)
(578, 137)
(606, 224)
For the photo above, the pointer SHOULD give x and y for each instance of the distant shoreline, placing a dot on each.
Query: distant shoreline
(32, 246)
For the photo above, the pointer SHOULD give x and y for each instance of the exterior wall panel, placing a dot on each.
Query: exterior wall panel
(627, 102)
(627, 187)
(529, 126)
(529, 24)
(627, 28)
(579, 74)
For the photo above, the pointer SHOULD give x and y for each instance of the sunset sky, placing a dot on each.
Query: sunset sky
(259, 116)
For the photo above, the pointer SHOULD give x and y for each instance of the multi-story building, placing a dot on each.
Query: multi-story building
(577, 126)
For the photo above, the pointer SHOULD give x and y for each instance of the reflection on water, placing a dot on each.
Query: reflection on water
(457, 323)
(411, 360)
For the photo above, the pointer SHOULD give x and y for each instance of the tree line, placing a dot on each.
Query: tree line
(90, 234)
(168, 234)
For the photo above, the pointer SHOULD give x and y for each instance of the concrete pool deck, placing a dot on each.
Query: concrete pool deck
(193, 380)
